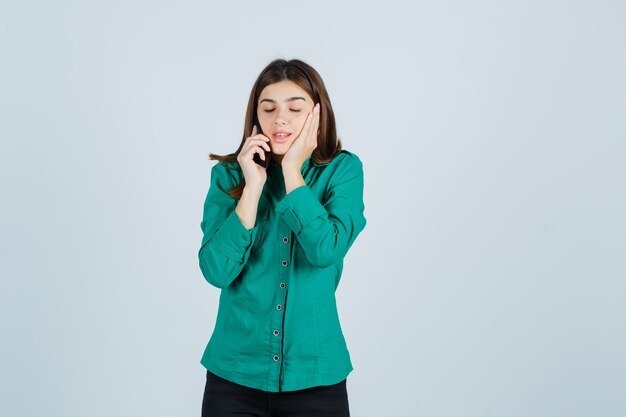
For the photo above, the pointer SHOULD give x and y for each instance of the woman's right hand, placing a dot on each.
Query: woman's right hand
(254, 174)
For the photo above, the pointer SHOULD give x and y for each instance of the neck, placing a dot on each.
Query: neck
(277, 158)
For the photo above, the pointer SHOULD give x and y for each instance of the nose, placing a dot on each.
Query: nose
(280, 117)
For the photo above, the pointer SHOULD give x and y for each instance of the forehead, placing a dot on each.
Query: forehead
(283, 91)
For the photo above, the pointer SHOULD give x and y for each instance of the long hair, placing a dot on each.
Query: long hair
(307, 78)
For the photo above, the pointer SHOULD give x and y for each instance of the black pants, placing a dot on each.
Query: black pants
(223, 398)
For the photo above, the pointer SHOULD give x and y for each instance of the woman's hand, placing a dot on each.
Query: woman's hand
(302, 147)
(254, 174)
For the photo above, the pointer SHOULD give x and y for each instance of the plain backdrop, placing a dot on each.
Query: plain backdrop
(488, 282)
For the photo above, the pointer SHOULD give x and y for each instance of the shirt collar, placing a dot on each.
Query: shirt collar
(310, 160)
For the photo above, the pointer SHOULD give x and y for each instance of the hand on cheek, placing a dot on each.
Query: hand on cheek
(302, 146)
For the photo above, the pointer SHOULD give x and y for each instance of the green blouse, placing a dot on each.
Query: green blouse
(277, 327)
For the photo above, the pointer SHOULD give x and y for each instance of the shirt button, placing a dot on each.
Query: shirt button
(276, 358)
(278, 307)
(282, 285)
(285, 263)
(285, 239)
(276, 332)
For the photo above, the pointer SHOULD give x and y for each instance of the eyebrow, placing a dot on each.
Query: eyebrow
(289, 99)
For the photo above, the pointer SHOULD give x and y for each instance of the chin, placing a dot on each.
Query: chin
(280, 148)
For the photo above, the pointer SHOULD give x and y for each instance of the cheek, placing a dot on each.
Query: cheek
(263, 121)
(299, 123)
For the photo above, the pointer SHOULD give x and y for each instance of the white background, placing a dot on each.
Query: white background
(489, 280)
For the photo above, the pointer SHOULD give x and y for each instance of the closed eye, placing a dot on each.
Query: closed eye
(293, 110)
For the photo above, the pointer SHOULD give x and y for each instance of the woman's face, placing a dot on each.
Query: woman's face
(283, 107)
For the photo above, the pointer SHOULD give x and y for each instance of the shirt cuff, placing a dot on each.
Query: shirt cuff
(300, 207)
(235, 240)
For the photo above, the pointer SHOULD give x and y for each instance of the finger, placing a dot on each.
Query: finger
(315, 125)
(260, 151)
(317, 115)
(250, 151)
(311, 123)
(254, 130)
(316, 130)
(258, 135)
(261, 141)
(258, 140)
(302, 131)
(307, 123)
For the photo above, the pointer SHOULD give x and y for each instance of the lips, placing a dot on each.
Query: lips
(281, 136)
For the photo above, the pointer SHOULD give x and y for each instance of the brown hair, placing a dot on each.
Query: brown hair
(307, 78)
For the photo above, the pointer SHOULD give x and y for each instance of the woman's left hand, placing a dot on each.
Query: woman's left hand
(302, 146)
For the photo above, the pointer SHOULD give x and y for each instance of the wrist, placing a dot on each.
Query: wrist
(253, 189)
(290, 166)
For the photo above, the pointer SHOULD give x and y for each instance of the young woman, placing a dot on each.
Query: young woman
(274, 240)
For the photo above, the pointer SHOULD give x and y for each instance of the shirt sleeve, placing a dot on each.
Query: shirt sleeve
(226, 242)
(326, 231)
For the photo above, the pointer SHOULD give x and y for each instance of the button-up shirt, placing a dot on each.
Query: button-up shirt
(277, 327)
